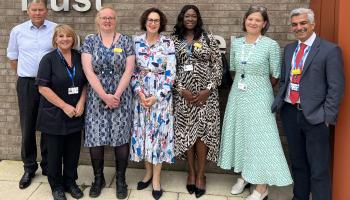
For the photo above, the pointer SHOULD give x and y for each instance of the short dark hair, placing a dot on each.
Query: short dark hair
(144, 17)
(180, 29)
(263, 11)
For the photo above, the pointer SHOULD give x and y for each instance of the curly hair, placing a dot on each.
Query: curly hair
(179, 28)
(144, 16)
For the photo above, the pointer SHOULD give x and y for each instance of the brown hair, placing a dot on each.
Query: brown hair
(65, 29)
(263, 11)
(144, 17)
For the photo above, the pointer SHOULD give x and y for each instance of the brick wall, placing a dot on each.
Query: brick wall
(222, 17)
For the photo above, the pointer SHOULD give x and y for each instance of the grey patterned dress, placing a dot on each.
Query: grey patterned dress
(105, 126)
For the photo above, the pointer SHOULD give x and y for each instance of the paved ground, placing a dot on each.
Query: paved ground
(173, 183)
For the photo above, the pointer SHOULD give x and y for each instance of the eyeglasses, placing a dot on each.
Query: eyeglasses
(155, 21)
(107, 18)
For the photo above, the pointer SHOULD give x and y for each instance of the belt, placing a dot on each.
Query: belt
(297, 106)
(29, 78)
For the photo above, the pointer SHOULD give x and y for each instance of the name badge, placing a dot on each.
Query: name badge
(73, 90)
(188, 68)
(294, 87)
(296, 71)
(197, 45)
(117, 50)
(242, 86)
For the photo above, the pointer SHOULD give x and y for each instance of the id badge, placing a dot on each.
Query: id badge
(294, 87)
(242, 86)
(188, 68)
(296, 71)
(73, 90)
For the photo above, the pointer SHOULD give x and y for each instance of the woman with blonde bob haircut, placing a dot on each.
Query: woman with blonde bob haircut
(61, 83)
(108, 60)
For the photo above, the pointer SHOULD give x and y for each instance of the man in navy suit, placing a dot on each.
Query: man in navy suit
(311, 88)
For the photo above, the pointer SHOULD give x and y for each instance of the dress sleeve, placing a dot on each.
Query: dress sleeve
(232, 54)
(129, 47)
(44, 73)
(165, 90)
(275, 59)
(135, 83)
(215, 62)
(87, 46)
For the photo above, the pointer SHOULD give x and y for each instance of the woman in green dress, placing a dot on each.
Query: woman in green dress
(250, 140)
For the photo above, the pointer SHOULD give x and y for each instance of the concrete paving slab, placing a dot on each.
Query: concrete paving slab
(280, 193)
(147, 195)
(11, 170)
(44, 193)
(133, 176)
(183, 196)
(236, 198)
(86, 175)
(10, 190)
(106, 194)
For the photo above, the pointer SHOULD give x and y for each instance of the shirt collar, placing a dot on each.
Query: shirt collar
(309, 41)
(31, 25)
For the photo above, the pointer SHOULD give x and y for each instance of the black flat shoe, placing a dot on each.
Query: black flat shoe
(191, 188)
(157, 194)
(26, 180)
(58, 194)
(142, 185)
(74, 191)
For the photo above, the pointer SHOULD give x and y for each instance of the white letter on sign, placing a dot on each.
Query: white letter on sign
(65, 5)
(86, 7)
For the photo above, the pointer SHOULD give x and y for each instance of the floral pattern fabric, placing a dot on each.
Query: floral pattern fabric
(154, 74)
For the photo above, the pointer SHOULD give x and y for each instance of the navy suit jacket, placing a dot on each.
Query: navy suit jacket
(321, 84)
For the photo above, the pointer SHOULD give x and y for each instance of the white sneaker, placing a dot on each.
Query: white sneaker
(238, 188)
(258, 196)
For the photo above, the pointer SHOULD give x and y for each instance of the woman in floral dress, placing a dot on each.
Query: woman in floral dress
(152, 81)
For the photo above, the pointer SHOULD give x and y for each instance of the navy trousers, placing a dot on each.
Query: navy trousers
(310, 154)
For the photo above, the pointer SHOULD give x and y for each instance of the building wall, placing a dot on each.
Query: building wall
(222, 17)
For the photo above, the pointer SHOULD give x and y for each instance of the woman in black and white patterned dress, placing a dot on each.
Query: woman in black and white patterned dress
(197, 116)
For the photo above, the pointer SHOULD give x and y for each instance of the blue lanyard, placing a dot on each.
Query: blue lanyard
(188, 48)
(301, 63)
(64, 62)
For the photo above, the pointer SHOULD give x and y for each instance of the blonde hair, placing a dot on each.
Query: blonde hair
(64, 28)
(97, 18)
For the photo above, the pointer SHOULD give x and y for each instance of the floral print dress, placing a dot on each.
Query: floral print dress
(153, 132)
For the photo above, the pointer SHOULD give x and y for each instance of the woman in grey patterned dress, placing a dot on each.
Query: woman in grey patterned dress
(108, 61)
(197, 116)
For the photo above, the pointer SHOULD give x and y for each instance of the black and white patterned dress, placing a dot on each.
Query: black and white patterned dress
(104, 126)
(193, 122)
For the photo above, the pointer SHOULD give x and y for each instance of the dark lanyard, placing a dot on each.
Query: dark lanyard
(64, 62)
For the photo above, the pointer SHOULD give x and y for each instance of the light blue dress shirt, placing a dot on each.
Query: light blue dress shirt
(28, 44)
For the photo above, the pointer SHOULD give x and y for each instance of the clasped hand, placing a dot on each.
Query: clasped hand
(147, 102)
(198, 99)
(71, 111)
(111, 101)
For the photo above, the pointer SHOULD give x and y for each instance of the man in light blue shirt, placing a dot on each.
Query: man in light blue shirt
(28, 43)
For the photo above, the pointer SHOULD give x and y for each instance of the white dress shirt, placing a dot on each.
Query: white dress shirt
(309, 43)
(28, 44)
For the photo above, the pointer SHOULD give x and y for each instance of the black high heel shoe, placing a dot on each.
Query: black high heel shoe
(191, 188)
(142, 185)
(200, 191)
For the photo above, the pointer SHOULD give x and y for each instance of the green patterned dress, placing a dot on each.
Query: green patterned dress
(250, 140)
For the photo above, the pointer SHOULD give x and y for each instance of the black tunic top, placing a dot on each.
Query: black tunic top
(53, 74)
